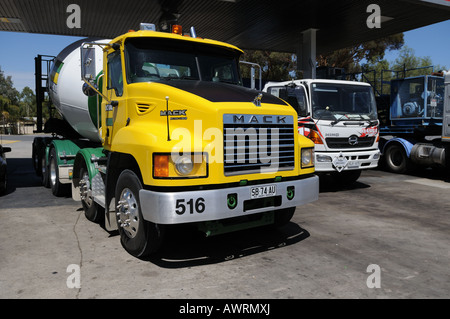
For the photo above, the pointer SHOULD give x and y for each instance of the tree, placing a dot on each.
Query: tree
(351, 58)
(407, 60)
(27, 102)
(7, 89)
(15, 106)
(276, 66)
(407, 64)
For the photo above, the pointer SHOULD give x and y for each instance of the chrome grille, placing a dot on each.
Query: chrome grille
(258, 143)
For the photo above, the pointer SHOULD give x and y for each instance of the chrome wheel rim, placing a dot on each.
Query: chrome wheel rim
(52, 171)
(85, 190)
(128, 213)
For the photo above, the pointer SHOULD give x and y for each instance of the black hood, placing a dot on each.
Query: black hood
(222, 92)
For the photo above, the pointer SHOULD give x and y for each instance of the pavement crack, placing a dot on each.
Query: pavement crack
(79, 249)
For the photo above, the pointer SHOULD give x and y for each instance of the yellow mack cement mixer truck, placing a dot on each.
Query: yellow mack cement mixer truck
(164, 133)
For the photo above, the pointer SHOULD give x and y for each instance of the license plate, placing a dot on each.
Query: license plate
(353, 164)
(263, 191)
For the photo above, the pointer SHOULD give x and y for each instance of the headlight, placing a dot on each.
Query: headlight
(184, 165)
(180, 166)
(307, 157)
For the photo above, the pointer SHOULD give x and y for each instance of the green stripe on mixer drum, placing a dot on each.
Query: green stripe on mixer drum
(95, 100)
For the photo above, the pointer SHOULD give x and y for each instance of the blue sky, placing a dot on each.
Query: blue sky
(19, 50)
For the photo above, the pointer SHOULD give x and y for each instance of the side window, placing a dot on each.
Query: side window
(295, 96)
(299, 96)
(274, 91)
(115, 79)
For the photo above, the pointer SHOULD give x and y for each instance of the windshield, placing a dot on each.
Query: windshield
(155, 59)
(345, 102)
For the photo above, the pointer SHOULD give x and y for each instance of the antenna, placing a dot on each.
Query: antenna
(167, 114)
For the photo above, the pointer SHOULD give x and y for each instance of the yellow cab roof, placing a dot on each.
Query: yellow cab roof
(166, 35)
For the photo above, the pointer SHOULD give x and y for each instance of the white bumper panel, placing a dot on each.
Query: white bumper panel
(207, 205)
(354, 160)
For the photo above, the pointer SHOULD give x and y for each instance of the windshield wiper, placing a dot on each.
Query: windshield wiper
(187, 77)
(349, 119)
(227, 81)
(174, 77)
(338, 120)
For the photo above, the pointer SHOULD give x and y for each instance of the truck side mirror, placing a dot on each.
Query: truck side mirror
(88, 63)
(253, 67)
(88, 70)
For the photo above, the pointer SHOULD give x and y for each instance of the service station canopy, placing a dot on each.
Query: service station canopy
(275, 25)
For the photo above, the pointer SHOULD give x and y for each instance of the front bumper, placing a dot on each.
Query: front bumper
(207, 205)
(354, 160)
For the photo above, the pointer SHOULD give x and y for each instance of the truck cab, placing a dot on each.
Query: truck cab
(340, 117)
(174, 138)
(417, 132)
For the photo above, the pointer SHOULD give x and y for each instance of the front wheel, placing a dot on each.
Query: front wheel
(139, 237)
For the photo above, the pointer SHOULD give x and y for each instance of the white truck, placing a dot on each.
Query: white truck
(340, 117)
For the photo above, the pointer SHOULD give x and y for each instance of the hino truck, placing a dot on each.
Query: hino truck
(417, 129)
(158, 130)
(340, 117)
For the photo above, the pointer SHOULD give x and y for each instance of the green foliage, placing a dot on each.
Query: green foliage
(276, 66)
(7, 90)
(351, 58)
(15, 105)
(407, 64)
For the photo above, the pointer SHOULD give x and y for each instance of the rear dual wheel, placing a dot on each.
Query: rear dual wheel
(93, 211)
(52, 176)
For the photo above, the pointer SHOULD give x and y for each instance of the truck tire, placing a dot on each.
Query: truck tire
(93, 211)
(395, 158)
(3, 181)
(36, 155)
(44, 170)
(139, 237)
(58, 189)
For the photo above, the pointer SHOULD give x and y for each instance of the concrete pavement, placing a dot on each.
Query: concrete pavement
(386, 230)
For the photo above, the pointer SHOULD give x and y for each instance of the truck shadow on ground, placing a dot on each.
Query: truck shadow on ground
(20, 173)
(186, 247)
(328, 184)
(438, 174)
(432, 173)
